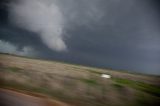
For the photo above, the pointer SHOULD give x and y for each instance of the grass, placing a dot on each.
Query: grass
(14, 69)
(94, 71)
(117, 86)
(148, 88)
(11, 69)
(77, 84)
(90, 81)
(144, 99)
(45, 91)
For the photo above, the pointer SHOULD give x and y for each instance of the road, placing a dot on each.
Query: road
(13, 98)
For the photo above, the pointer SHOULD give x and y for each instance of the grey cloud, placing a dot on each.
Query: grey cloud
(82, 12)
(51, 18)
(42, 17)
(7, 47)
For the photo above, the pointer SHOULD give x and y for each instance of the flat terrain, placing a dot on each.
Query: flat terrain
(76, 85)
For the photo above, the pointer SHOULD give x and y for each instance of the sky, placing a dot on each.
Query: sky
(115, 34)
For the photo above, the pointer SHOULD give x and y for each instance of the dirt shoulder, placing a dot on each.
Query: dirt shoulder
(14, 98)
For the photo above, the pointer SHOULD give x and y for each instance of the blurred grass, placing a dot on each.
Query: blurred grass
(11, 69)
(118, 86)
(90, 81)
(117, 83)
(33, 90)
(148, 88)
(79, 85)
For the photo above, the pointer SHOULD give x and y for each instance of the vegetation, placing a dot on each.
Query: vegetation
(78, 85)
(148, 88)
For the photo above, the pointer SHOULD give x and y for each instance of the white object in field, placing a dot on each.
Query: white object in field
(105, 76)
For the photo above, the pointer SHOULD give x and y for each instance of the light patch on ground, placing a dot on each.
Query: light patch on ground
(105, 76)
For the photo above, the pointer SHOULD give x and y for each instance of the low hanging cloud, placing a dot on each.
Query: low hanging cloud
(50, 18)
(7, 47)
(42, 17)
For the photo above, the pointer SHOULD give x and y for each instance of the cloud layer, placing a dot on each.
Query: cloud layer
(7, 47)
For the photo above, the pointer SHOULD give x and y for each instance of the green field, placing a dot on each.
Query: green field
(78, 85)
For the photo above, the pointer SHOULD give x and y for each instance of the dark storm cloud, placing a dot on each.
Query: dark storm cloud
(127, 37)
(119, 34)
(3, 11)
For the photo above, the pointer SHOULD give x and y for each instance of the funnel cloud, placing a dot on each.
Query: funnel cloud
(51, 18)
(42, 17)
